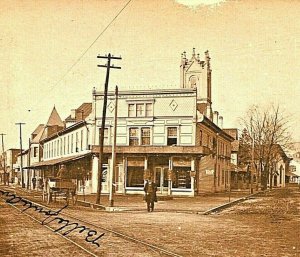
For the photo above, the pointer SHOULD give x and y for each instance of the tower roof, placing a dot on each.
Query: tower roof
(54, 119)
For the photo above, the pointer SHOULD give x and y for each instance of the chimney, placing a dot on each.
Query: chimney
(215, 117)
(208, 111)
(221, 122)
(73, 114)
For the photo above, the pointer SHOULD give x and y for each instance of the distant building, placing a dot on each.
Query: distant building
(10, 156)
(34, 153)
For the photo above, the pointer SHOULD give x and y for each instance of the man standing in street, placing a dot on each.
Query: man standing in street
(150, 195)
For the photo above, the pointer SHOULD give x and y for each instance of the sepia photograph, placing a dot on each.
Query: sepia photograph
(146, 128)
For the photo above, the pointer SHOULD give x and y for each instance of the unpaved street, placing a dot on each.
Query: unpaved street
(267, 225)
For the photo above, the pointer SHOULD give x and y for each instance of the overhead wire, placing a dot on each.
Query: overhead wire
(89, 47)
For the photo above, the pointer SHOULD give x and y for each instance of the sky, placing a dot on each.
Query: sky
(49, 54)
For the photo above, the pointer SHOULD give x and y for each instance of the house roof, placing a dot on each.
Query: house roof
(81, 112)
(40, 136)
(206, 121)
(38, 129)
(64, 131)
(54, 119)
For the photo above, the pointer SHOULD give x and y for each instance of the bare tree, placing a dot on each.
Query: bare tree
(269, 130)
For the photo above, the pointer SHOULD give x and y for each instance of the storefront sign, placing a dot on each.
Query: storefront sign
(136, 162)
(182, 162)
(209, 172)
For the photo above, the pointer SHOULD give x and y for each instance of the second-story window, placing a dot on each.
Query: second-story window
(81, 140)
(76, 143)
(61, 146)
(64, 145)
(57, 151)
(105, 137)
(131, 110)
(35, 151)
(172, 136)
(148, 110)
(140, 110)
(200, 137)
(133, 136)
(72, 139)
(145, 136)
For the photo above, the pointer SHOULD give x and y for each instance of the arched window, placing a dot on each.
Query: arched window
(193, 81)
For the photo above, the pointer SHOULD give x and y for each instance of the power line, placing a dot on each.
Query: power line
(89, 47)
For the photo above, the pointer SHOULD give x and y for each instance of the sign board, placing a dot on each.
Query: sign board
(209, 172)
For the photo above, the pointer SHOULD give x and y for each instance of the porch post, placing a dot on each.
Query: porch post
(170, 174)
(192, 176)
(94, 173)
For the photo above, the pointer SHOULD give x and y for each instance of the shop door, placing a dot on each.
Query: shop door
(119, 178)
(161, 179)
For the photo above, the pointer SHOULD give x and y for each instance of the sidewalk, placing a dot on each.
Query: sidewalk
(177, 204)
(201, 203)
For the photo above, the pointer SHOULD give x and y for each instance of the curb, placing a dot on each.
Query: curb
(227, 205)
(92, 205)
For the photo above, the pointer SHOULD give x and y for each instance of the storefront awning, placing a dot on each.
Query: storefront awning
(57, 161)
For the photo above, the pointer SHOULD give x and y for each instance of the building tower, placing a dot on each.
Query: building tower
(195, 73)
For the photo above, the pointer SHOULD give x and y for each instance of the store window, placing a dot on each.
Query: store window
(133, 136)
(181, 177)
(145, 136)
(135, 176)
(172, 136)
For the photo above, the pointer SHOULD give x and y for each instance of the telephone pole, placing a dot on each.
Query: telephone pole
(113, 152)
(21, 165)
(109, 57)
(4, 160)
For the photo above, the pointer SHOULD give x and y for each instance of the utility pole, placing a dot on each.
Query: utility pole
(113, 152)
(101, 134)
(28, 163)
(4, 160)
(21, 166)
(252, 166)
(252, 159)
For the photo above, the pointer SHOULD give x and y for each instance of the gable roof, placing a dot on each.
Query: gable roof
(38, 129)
(40, 136)
(54, 119)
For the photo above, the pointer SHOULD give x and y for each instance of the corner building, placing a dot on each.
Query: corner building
(171, 136)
